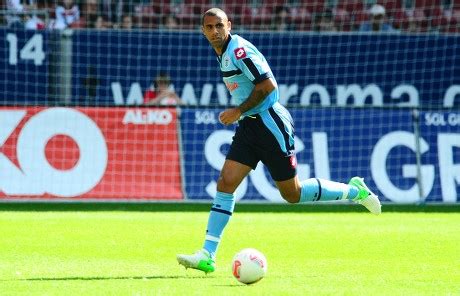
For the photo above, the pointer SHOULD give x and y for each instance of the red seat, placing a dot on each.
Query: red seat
(392, 7)
(301, 18)
(350, 14)
(421, 18)
(256, 18)
(198, 6)
(400, 19)
(161, 6)
(427, 4)
(146, 16)
(342, 20)
(453, 27)
(359, 18)
(314, 6)
(234, 10)
(437, 18)
(351, 6)
(185, 15)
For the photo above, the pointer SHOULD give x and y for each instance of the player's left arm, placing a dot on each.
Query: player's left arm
(261, 90)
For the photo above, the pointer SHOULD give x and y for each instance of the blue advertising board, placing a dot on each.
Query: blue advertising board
(115, 67)
(311, 69)
(334, 144)
(440, 147)
(24, 67)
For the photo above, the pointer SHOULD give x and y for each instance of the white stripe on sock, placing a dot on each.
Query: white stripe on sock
(212, 238)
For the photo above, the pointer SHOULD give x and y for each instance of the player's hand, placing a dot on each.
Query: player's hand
(229, 116)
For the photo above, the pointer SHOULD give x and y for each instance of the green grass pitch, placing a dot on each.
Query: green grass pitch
(133, 253)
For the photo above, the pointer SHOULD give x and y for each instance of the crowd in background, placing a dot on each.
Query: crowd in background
(276, 15)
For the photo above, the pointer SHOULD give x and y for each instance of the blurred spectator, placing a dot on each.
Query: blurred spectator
(281, 19)
(18, 16)
(127, 22)
(161, 92)
(324, 22)
(114, 10)
(15, 10)
(377, 22)
(90, 13)
(110, 10)
(412, 25)
(170, 22)
(67, 13)
(34, 23)
(102, 23)
(417, 21)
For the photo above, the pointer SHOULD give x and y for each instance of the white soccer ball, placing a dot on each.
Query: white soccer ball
(249, 266)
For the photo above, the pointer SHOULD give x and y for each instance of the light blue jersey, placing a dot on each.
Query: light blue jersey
(242, 66)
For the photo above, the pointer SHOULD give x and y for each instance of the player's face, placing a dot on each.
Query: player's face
(216, 29)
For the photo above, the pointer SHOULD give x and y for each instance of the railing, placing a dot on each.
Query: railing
(44, 13)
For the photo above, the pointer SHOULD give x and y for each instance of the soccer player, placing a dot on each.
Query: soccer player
(265, 133)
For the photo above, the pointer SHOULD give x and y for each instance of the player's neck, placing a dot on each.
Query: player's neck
(220, 50)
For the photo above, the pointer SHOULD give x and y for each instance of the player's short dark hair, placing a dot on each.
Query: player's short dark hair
(213, 12)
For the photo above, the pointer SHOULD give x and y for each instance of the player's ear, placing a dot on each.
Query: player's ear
(229, 25)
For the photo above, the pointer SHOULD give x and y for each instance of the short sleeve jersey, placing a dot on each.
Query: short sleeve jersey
(242, 66)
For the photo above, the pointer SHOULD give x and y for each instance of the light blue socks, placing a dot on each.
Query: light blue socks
(315, 189)
(312, 189)
(221, 211)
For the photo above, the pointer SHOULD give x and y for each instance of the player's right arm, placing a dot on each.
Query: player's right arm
(256, 69)
(261, 90)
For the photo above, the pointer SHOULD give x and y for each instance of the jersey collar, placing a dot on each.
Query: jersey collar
(224, 49)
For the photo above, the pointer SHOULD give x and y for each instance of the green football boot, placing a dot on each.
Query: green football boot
(366, 197)
(201, 260)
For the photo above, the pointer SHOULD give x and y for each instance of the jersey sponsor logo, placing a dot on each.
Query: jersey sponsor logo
(293, 161)
(231, 86)
(240, 53)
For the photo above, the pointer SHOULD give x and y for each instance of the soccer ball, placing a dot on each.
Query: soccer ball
(249, 266)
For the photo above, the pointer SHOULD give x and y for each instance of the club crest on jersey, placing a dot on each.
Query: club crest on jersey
(240, 53)
(226, 61)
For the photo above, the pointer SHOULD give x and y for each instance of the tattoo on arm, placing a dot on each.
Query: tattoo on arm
(255, 98)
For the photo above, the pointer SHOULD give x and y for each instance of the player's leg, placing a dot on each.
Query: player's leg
(239, 162)
(277, 134)
(282, 168)
(315, 189)
(283, 172)
(231, 175)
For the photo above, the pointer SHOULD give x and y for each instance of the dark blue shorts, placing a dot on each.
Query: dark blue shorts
(255, 141)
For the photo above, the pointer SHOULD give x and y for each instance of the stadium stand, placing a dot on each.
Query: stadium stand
(441, 16)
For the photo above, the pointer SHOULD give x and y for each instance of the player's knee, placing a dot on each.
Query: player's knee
(291, 196)
(226, 183)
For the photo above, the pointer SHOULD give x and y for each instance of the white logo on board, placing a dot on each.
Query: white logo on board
(35, 175)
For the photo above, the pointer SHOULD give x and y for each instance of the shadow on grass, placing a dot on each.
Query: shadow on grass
(103, 278)
(231, 285)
